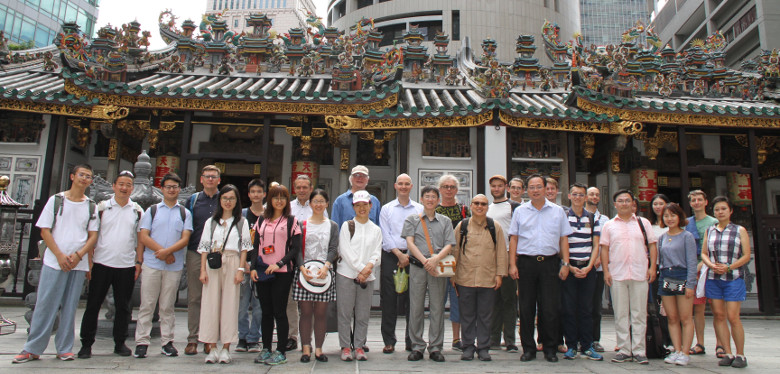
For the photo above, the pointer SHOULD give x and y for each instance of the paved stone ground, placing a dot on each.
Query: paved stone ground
(762, 336)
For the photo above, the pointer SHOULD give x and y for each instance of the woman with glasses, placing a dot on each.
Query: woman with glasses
(726, 251)
(277, 242)
(320, 246)
(227, 232)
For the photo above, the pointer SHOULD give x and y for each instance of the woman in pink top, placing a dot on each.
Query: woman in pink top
(277, 242)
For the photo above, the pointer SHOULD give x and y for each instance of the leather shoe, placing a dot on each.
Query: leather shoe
(122, 350)
(551, 357)
(191, 349)
(388, 349)
(528, 356)
(415, 356)
(206, 348)
(437, 356)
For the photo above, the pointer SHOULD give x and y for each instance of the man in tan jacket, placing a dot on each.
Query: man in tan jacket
(482, 263)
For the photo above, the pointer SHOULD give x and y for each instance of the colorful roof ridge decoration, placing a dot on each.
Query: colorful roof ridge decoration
(257, 47)
(556, 51)
(526, 66)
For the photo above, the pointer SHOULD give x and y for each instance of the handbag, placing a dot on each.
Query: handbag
(446, 266)
(674, 286)
(214, 259)
(401, 280)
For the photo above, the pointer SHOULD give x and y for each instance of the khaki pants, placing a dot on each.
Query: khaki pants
(629, 300)
(162, 286)
(194, 290)
(219, 304)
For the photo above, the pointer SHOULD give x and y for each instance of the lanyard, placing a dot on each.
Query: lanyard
(265, 223)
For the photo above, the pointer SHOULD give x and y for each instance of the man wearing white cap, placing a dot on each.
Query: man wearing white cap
(342, 207)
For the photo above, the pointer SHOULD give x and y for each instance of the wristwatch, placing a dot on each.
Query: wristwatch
(280, 264)
(139, 263)
(564, 264)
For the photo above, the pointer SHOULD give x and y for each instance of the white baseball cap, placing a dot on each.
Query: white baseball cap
(361, 196)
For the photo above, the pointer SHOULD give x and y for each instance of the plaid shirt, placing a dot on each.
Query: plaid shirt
(724, 247)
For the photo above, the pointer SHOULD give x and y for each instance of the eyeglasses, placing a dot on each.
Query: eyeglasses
(578, 194)
(318, 202)
(171, 187)
(84, 176)
(126, 173)
(515, 188)
(479, 203)
(279, 198)
(211, 177)
(449, 187)
(229, 199)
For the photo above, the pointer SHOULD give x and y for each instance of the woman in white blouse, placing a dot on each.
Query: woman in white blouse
(226, 232)
(360, 248)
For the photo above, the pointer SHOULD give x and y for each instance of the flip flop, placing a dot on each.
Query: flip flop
(697, 349)
(720, 351)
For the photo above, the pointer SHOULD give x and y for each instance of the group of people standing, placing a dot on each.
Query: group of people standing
(279, 264)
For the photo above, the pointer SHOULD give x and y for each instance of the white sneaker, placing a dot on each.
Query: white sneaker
(224, 357)
(672, 358)
(682, 360)
(213, 356)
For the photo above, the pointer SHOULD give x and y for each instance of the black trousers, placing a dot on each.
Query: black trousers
(539, 285)
(598, 294)
(122, 281)
(390, 300)
(577, 310)
(504, 313)
(273, 301)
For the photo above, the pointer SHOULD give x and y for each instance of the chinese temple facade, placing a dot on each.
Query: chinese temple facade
(319, 101)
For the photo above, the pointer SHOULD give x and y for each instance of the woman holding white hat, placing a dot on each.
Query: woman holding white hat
(313, 288)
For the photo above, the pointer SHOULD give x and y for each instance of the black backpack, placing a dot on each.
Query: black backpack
(464, 231)
(654, 338)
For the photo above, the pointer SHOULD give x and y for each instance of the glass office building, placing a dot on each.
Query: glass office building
(39, 21)
(604, 21)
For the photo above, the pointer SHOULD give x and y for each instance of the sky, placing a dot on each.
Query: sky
(146, 12)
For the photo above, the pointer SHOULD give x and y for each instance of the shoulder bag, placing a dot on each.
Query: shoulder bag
(446, 266)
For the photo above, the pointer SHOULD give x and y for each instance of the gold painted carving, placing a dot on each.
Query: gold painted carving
(621, 128)
(113, 146)
(765, 144)
(305, 145)
(679, 118)
(588, 145)
(95, 112)
(294, 131)
(248, 106)
(379, 148)
(344, 163)
(350, 123)
(653, 144)
(615, 160)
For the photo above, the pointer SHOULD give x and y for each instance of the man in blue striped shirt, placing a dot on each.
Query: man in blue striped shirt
(578, 288)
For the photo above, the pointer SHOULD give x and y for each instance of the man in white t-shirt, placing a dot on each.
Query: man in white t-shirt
(505, 309)
(69, 225)
(116, 264)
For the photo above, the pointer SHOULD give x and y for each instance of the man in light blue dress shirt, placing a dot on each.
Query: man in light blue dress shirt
(342, 206)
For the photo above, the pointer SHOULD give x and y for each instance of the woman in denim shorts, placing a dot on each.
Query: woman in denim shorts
(677, 255)
(726, 251)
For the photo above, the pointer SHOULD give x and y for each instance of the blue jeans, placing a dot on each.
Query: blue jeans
(454, 304)
(249, 330)
(57, 290)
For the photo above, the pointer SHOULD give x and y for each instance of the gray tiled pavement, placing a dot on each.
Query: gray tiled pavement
(762, 335)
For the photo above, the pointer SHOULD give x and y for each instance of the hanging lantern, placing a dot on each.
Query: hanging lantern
(310, 168)
(740, 189)
(644, 183)
(165, 165)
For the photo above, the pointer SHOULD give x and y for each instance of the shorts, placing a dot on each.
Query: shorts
(700, 300)
(676, 273)
(733, 290)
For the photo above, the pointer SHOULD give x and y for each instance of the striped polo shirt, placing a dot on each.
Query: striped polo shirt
(581, 240)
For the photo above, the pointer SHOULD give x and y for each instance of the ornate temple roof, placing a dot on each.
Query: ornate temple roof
(321, 71)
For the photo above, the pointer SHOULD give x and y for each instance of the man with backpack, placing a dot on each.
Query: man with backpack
(116, 264)
(579, 286)
(165, 230)
(625, 243)
(505, 309)
(69, 226)
(481, 259)
(202, 206)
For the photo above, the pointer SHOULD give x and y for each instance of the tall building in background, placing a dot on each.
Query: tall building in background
(502, 21)
(286, 14)
(748, 25)
(604, 21)
(40, 20)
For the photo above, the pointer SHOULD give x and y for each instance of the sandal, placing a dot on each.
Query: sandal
(720, 351)
(697, 349)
